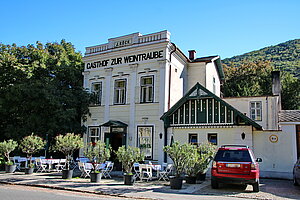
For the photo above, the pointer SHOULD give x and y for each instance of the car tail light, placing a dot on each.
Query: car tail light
(253, 166)
(214, 164)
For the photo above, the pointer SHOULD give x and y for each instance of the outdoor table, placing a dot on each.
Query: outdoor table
(156, 168)
(98, 166)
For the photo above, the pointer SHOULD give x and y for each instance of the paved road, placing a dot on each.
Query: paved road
(17, 192)
(14, 192)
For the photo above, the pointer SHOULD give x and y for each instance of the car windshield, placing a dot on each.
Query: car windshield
(233, 156)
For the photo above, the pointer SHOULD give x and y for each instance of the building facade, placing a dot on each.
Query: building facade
(135, 79)
(148, 93)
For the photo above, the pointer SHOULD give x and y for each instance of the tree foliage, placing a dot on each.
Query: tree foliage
(41, 90)
(31, 144)
(6, 147)
(254, 79)
(284, 57)
(97, 153)
(68, 144)
(128, 156)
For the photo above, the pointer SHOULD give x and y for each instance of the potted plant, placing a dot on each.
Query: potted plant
(206, 153)
(30, 145)
(6, 147)
(128, 156)
(179, 154)
(192, 167)
(97, 153)
(67, 144)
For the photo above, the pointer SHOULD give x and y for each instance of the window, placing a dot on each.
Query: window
(120, 92)
(212, 138)
(255, 110)
(93, 134)
(147, 89)
(97, 93)
(193, 138)
(144, 142)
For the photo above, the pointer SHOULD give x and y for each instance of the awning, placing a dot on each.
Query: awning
(114, 123)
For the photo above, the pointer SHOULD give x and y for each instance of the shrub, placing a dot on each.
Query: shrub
(128, 156)
(6, 147)
(30, 145)
(67, 144)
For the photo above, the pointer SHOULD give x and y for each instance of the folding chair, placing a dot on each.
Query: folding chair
(136, 169)
(145, 172)
(108, 168)
(84, 172)
(165, 173)
(41, 167)
(17, 163)
(61, 165)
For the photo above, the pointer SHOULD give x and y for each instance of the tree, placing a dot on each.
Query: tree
(254, 79)
(41, 90)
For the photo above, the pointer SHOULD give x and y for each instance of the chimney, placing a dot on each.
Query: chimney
(192, 54)
(276, 85)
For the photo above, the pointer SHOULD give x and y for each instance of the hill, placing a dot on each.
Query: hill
(284, 56)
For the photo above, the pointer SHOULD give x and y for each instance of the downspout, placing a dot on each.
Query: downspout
(267, 113)
(170, 73)
(169, 101)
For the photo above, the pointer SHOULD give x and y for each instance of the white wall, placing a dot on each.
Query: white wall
(278, 158)
(269, 109)
(211, 72)
(196, 73)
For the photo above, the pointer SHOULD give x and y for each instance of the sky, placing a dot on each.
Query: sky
(211, 27)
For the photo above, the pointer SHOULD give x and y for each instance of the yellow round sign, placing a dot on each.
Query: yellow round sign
(273, 138)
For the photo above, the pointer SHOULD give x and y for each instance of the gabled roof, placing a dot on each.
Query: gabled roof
(216, 60)
(289, 116)
(114, 123)
(197, 92)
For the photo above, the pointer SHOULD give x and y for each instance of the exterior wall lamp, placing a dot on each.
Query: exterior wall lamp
(160, 135)
(243, 135)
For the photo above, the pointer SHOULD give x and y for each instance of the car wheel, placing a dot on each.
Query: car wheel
(295, 180)
(243, 187)
(214, 184)
(256, 187)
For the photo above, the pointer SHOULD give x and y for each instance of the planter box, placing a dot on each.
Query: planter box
(176, 182)
(95, 177)
(10, 168)
(67, 174)
(128, 179)
(29, 170)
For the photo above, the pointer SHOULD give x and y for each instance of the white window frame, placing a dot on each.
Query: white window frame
(95, 137)
(145, 140)
(255, 110)
(120, 92)
(147, 90)
(99, 95)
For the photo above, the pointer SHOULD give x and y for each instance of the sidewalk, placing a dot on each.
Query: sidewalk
(270, 189)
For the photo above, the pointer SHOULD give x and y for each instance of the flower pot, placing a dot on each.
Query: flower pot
(67, 174)
(201, 176)
(29, 170)
(191, 179)
(95, 177)
(10, 168)
(176, 182)
(128, 180)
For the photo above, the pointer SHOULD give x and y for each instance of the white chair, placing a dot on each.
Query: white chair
(17, 163)
(145, 172)
(61, 165)
(108, 168)
(165, 173)
(84, 172)
(136, 169)
(41, 166)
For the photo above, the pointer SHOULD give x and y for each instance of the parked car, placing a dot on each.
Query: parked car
(296, 173)
(235, 164)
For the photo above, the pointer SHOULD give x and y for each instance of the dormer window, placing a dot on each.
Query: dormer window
(256, 110)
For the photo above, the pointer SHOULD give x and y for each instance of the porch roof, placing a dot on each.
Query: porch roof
(114, 123)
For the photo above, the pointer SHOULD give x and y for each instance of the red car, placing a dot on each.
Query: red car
(235, 164)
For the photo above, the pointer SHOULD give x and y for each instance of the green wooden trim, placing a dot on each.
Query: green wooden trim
(193, 112)
(187, 113)
(222, 112)
(216, 111)
(200, 92)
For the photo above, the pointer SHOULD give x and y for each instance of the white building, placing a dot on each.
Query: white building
(138, 79)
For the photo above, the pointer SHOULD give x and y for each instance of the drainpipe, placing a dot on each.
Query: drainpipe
(169, 92)
(267, 113)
